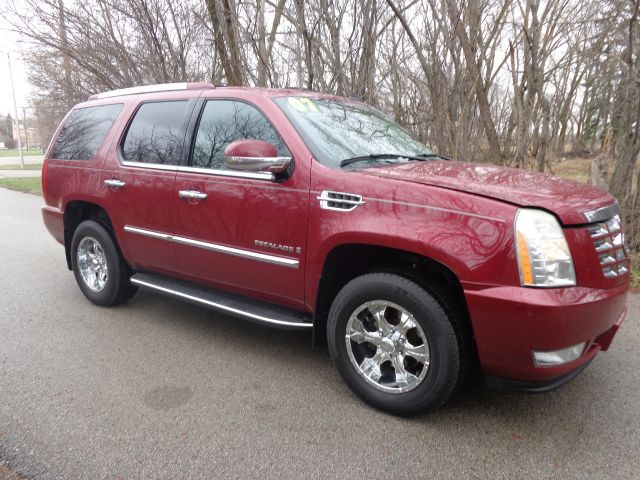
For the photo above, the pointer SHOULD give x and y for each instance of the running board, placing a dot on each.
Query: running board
(250, 309)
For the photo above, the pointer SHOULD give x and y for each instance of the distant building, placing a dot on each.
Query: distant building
(29, 138)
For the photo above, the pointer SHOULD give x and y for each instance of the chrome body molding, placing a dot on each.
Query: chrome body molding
(214, 247)
(150, 166)
(262, 257)
(602, 214)
(221, 306)
(228, 173)
(147, 233)
(202, 171)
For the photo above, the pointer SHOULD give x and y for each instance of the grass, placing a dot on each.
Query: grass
(13, 152)
(17, 166)
(574, 168)
(26, 184)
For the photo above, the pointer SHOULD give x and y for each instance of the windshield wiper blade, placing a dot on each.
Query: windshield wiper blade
(431, 155)
(364, 158)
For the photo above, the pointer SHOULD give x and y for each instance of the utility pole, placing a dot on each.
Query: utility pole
(24, 125)
(15, 109)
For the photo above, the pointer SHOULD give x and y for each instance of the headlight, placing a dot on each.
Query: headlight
(544, 259)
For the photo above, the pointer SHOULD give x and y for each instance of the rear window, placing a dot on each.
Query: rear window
(83, 132)
(155, 132)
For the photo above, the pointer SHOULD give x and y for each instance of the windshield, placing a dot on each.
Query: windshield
(336, 131)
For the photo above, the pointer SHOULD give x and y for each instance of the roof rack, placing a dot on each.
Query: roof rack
(159, 87)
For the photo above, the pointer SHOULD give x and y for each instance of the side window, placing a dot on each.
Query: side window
(84, 131)
(225, 121)
(155, 132)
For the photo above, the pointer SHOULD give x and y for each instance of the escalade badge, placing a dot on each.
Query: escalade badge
(278, 246)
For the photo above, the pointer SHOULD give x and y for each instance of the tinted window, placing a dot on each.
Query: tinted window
(225, 121)
(84, 131)
(155, 133)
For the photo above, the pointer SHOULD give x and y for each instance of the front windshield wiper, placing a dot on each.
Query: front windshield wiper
(364, 158)
(431, 155)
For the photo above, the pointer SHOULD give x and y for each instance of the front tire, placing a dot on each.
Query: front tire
(394, 345)
(99, 269)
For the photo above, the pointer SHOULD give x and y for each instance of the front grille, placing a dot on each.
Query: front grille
(608, 240)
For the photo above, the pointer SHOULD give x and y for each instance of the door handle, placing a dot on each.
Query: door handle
(192, 194)
(114, 183)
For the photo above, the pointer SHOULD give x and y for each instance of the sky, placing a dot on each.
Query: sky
(9, 43)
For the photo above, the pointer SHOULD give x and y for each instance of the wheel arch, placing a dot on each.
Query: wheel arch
(77, 211)
(345, 262)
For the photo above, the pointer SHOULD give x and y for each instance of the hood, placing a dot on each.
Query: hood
(568, 199)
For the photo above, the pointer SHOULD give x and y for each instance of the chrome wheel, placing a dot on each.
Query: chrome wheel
(92, 264)
(387, 346)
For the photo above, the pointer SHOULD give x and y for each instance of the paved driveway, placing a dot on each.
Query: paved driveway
(162, 389)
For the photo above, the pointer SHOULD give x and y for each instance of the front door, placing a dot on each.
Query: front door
(238, 230)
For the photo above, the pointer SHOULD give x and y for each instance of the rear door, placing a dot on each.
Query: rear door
(248, 232)
(140, 180)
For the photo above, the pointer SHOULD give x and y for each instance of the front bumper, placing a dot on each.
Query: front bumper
(509, 323)
(522, 386)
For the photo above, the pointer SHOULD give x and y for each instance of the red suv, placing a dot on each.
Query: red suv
(308, 211)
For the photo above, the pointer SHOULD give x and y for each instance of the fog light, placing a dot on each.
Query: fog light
(558, 357)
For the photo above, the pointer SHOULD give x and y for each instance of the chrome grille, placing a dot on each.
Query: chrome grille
(608, 240)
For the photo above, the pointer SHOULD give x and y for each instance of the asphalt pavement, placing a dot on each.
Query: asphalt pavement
(160, 389)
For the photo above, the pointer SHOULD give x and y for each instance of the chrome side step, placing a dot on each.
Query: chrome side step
(253, 310)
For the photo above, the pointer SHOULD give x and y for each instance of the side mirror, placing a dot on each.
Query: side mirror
(254, 156)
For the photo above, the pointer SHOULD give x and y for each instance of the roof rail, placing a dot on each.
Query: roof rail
(159, 87)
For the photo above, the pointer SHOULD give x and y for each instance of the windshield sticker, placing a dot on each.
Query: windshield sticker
(303, 104)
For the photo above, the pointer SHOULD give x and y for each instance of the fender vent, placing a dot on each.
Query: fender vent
(344, 202)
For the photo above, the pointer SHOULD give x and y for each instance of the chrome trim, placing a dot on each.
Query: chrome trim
(192, 194)
(147, 233)
(203, 171)
(228, 173)
(221, 306)
(114, 183)
(159, 87)
(602, 214)
(325, 199)
(237, 252)
(150, 166)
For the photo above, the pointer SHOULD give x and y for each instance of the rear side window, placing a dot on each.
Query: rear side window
(155, 133)
(84, 131)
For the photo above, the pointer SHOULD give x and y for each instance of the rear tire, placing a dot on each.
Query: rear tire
(394, 344)
(100, 270)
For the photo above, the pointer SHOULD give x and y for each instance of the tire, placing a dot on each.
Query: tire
(389, 320)
(103, 286)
